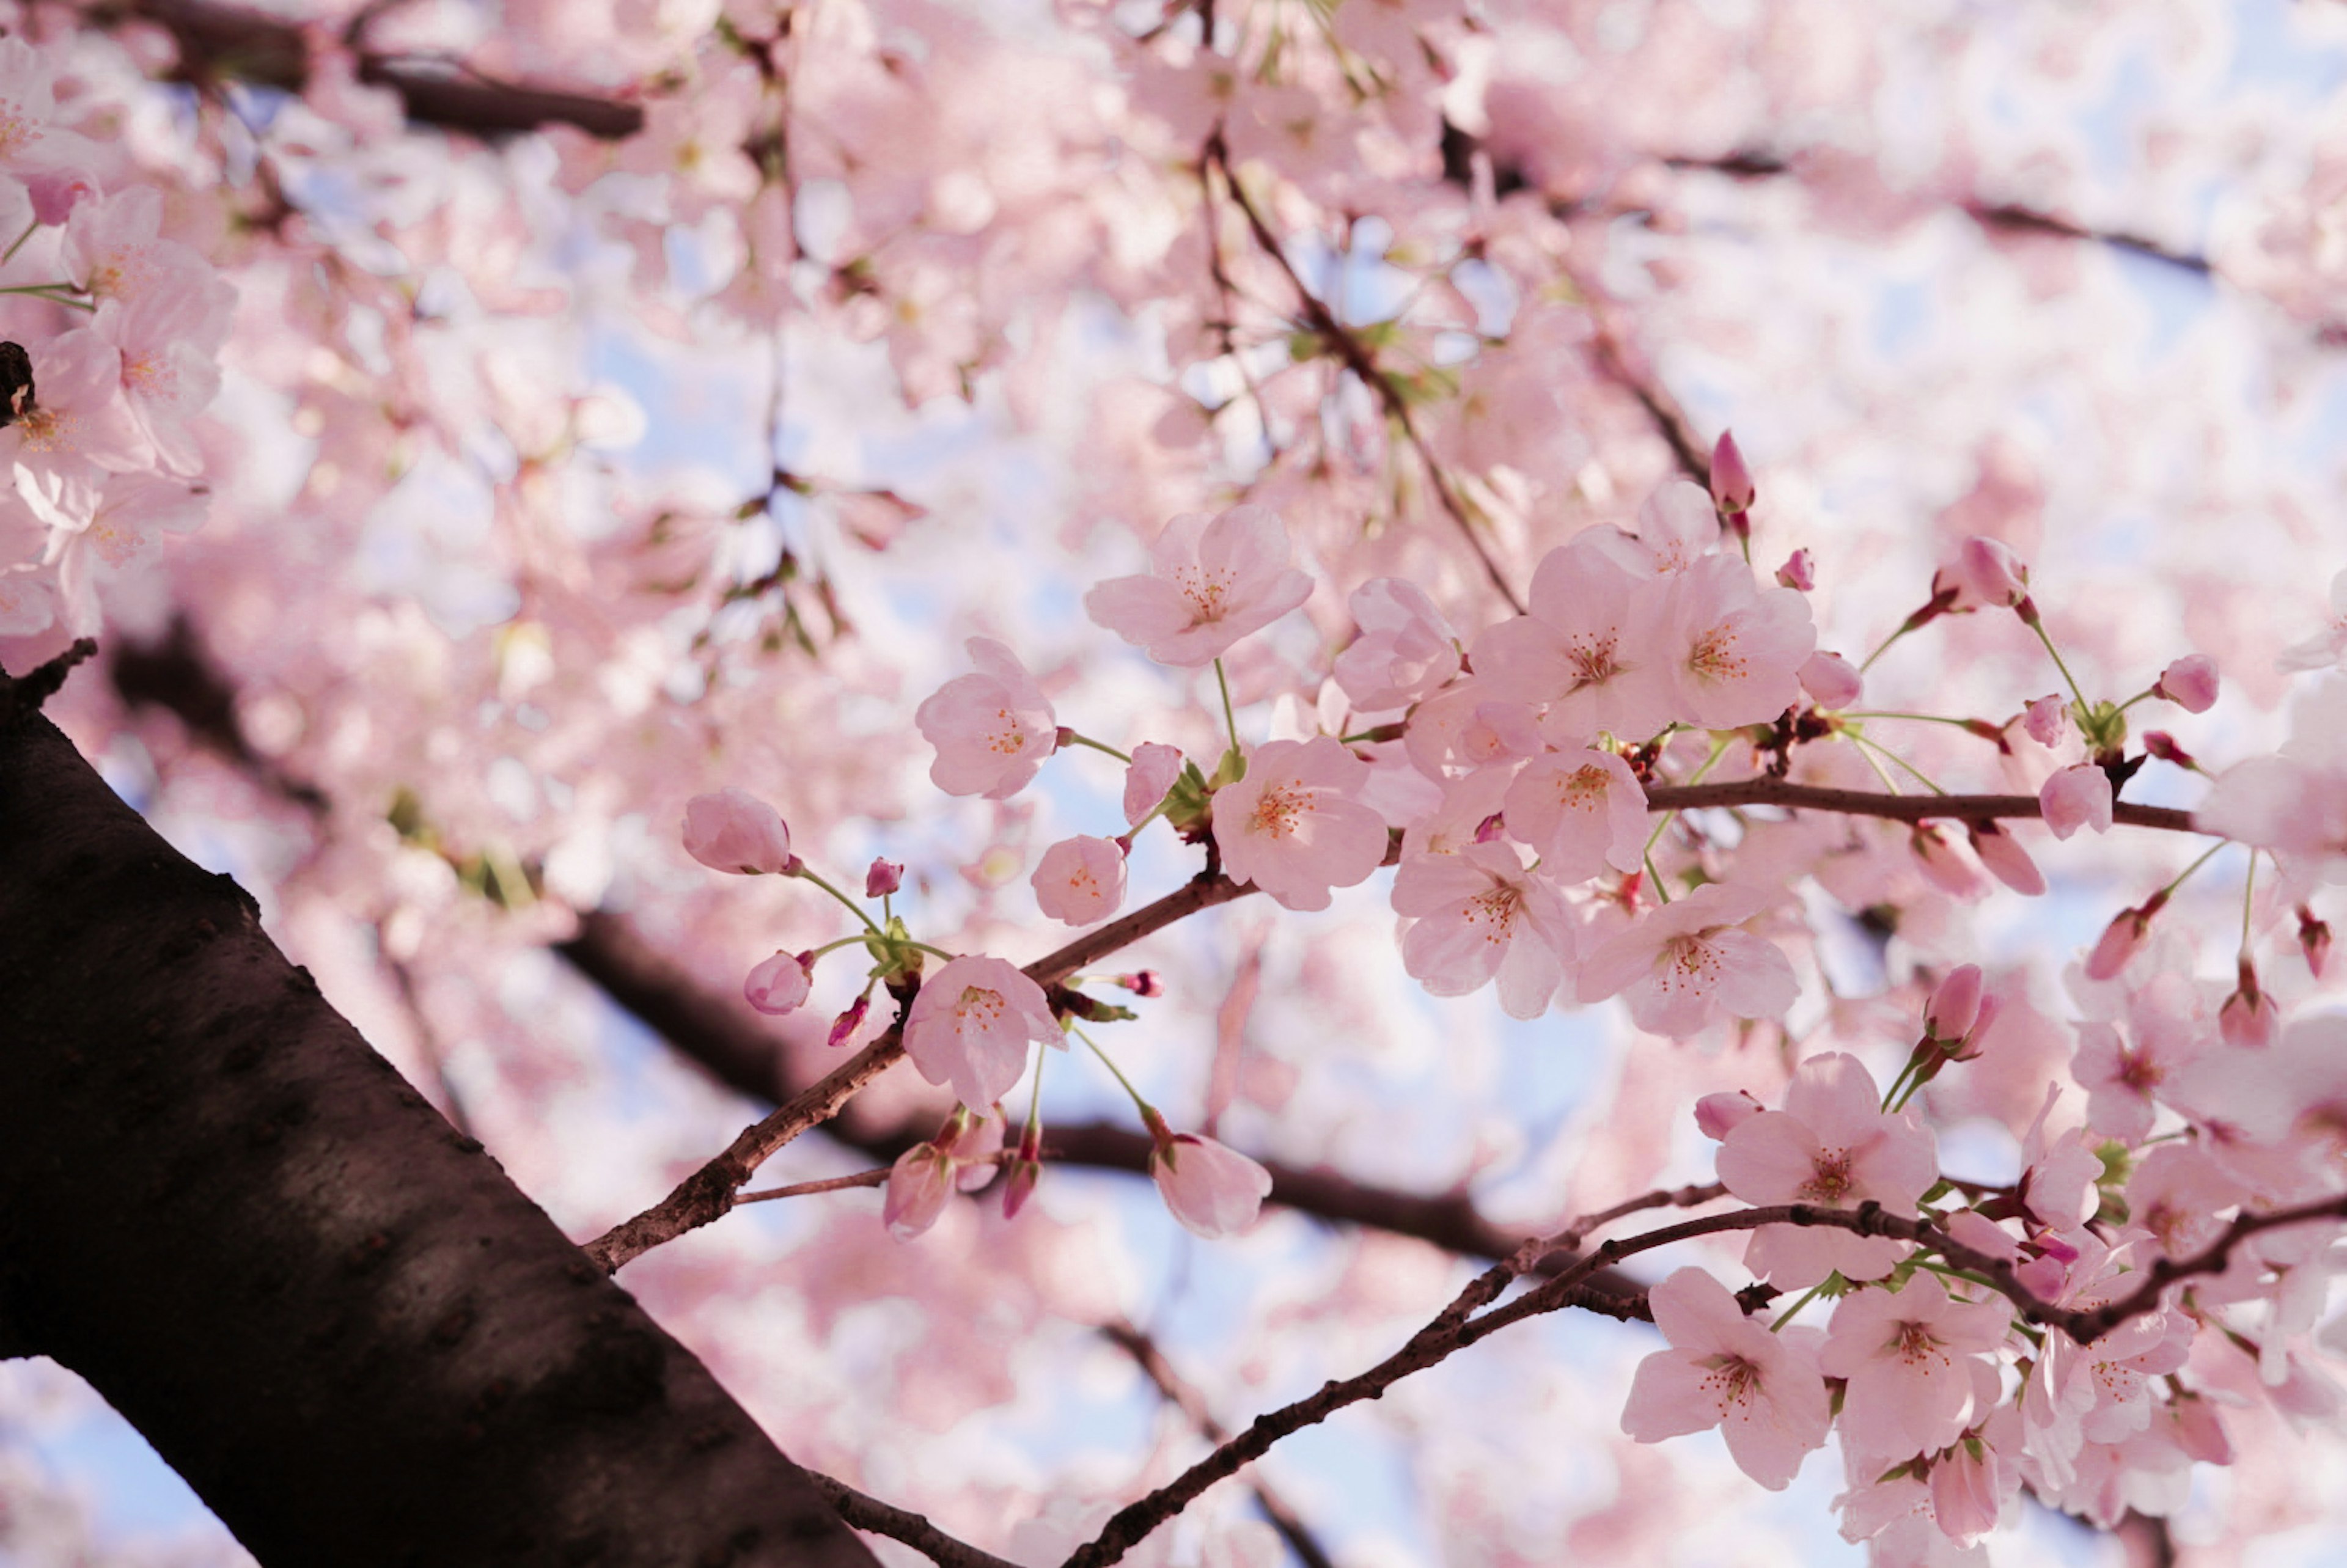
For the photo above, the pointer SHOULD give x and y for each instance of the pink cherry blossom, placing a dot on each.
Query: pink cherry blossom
(970, 1026)
(1731, 480)
(733, 830)
(1478, 915)
(1689, 963)
(1080, 880)
(1799, 571)
(1734, 652)
(1717, 1115)
(1153, 772)
(1833, 1144)
(2122, 939)
(1831, 680)
(779, 985)
(1213, 1190)
(1210, 582)
(1295, 826)
(883, 878)
(1405, 651)
(919, 1183)
(1990, 573)
(1588, 649)
(2006, 860)
(2327, 648)
(1723, 1369)
(1955, 1003)
(2046, 719)
(1579, 812)
(2076, 797)
(1908, 1357)
(79, 431)
(992, 729)
(2190, 683)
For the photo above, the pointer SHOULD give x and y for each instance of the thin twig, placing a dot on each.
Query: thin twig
(878, 1517)
(1901, 808)
(876, 1177)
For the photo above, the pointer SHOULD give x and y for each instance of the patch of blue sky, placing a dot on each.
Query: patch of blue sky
(2178, 298)
(2274, 52)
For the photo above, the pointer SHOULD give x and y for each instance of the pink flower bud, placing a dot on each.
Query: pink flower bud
(1830, 680)
(55, 192)
(1966, 1494)
(1731, 481)
(1025, 1170)
(2006, 860)
(2161, 744)
(1719, 1114)
(2047, 720)
(2190, 683)
(1142, 983)
(846, 1024)
(1154, 768)
(1955, 1005)
(883, 877)
(2248, 1018)
(2198, 1432)
(1943, 866)
(919, 1186)
(1992, 574)
(1799, 571)
(734, 831)
(780, 984)
(2313, 941)
(2076, 797)
(1213, 1190)
(2122, 939)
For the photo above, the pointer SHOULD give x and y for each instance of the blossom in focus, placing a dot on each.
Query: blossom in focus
(970, 1026)
(1690, 962)
(1588, 649)
(733, 830)
(2046, 719)
(1734, 651)
(1723, 1369)
(780, 984)
(1479, 915)
(62, 449)
(1832, 1144)
(883, 878)
(1579, 812)
(992, 729)
(1079, 879)
(2190, 683)
(1831, 680)
(1406, 648)
(1909, 1355)
(1294, 826)
(1212, 1190)
(1211, 581)
(1731, 479)
(2075, 797)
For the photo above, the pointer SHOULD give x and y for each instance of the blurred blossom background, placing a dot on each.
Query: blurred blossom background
(559, 474)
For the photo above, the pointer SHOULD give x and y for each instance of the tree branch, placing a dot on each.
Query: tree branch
(869, 1514)
(1897, 807)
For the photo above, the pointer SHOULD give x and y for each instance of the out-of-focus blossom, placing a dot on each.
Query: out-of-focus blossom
(2076, 797)
(1405, 651)
(992, 729)
(2190, 683)
(733, 830)
(1831, 680)
(1211, 581)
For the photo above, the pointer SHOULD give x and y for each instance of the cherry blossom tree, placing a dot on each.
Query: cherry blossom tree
(1008, 749)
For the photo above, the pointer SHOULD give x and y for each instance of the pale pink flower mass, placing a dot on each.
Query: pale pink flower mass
(1295, 826)
(1763, 1390)
(1405, 651)
(1211, 581)
(1691, 962)
(971, 1024)
(1477, 914)
(1908, 1356)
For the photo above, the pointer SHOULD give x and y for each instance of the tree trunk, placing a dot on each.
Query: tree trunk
(333, 1314)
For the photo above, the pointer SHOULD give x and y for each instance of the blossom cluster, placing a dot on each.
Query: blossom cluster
(116, 328)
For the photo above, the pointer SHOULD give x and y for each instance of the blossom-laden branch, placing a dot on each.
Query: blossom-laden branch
(708, 1193)
(1455, 1327)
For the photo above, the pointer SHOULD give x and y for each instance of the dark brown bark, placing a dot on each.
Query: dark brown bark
(330, 1311)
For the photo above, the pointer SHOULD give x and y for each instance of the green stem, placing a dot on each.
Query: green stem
(1654, 876)
(1888, 782)
(1903, 761)
(1230, 718)
(2149, 692)
(935, 952)
(1793, 1311)
(1145, 1108)
(1076, 740)
(1918, 717)
(2038, 626)
(1884, 646)
(856, 941)
(30, 230)
(2206, 855)
(2249, 890)
(803, 875)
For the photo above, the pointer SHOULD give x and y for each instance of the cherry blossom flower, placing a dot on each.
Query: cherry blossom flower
(1831, 680)
(2326, 649)
(961, 1157)
(79, 431)
(733, 830)
(1763, 1390)
(2190, 683)
(2046, 719)
(2076, 797)
(1955, 1003)
(1406, 648)
(1717, 1115)
(1478, 915)
(2005, 859)
(1908, 1357)
(1731, 480)
(1832, 1144)
(1154, 768)
(971, 1025)
(1685, 965)
(1294, 826)
(992, 729)
(1081, 879)
(1579, 812)
(883, 878)
(1734, 652)
(1211, 581)
(1989, 573)
(1213, 1190)
(1587, 649)
(780, 984)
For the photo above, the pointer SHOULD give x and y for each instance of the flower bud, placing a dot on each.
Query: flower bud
(1991, 572)
(919, 1186)
(1954, 1005)
(2006, 860)
(1719, 1114)
(733, 830)
(2313, 941)
(1731, 480)
(780, 985)
(883, 877)
(2122, 939)
(1025, 1170)
(1799, 571)
(2248, 1018)
(2046, 719)
(2161, 744)
(1943, 866)
(1212, 1190)
(2075, 797)
(1142, 983)
(846, 1024)
(1831, 680)
(2190, 683)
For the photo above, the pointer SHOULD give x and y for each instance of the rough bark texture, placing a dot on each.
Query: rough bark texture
(327, 1310)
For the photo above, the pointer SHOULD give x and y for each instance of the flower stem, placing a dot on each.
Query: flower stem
(1793, 1311)
(30, 229)
(803, 875)
(2038, 626)
(1230, 718)
(2249, 890)
(1074, 739)
(2206, 855)
(1145, 1108)
(1903, 761)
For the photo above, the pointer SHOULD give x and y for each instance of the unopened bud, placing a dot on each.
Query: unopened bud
(2123, 938)
(846, 1023)
(2313, 940)
(883, 877)
(1993, 572)
(2006, 860)
(1719, 1114)
(2190, 683)
(1950, 1014)
(2046, 719)
(2161, 744)
(1731, 482)
(1831, 680)
(2248, 1017)
(1142, 983)
(1025, 1170)
(1799, 571)
(1941, 865)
